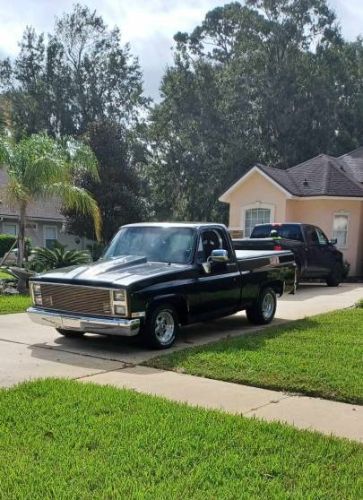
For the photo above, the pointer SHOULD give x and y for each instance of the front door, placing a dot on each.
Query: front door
(220, 291)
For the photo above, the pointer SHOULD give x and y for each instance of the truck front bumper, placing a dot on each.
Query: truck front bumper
(103, 326)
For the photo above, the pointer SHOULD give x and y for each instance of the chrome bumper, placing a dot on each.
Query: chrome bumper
(104, 326)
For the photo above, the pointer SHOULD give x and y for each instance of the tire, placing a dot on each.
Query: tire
(336, 276)
(70, 333)
(263, 310)
(161, 327)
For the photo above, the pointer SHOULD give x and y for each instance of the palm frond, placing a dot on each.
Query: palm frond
(6, 154)
(79, 200)
(81, 159)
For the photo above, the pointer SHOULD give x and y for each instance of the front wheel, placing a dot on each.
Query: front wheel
(263, 310)
(336, 276)
(162, 327)
(70, 333)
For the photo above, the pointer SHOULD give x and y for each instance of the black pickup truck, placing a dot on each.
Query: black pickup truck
(315, 255)
(155, 277)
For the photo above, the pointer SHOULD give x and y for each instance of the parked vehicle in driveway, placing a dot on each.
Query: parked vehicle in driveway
(315, 255)
(155, 277)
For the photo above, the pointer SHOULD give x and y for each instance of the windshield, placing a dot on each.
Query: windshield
(157, 244)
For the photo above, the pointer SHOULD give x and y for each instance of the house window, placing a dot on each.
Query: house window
(10, 228)
(340, 229)
(50, 236)
(255, 216)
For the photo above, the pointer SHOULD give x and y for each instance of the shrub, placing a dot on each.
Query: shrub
(45, 259)
(359, 304)
(346, 269)
(6, 242)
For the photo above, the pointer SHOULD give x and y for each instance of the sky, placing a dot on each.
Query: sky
(148, 25)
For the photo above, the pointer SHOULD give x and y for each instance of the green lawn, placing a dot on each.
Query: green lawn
(319, 356)
(64, 439)
(4, 275)
(14, 303)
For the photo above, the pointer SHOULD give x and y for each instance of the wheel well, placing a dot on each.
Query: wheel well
(179, 303)
(277, 286)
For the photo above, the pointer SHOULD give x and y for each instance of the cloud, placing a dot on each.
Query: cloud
(149, 25)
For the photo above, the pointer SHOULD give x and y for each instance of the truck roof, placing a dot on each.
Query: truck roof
(176, 224)
(281, 224)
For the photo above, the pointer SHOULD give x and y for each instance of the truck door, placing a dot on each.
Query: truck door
(220, 290)
(318, 255)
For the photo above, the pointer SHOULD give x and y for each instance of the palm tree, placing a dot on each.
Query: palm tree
(39, 168)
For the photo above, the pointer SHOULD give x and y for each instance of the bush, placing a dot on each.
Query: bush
(359, 304)
(6, 242)
(346, 269)
(45, 259)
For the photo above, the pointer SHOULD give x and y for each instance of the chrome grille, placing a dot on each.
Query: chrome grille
(77, 299)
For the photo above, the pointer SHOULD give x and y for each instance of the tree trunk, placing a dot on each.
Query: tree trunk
(21, 235)
(21, 245)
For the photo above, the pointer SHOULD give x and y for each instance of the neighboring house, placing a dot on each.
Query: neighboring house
(324, 191)
(44, 224)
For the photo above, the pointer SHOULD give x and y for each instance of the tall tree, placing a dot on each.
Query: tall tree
(120, 191)
(39, 168)
(265, 81)
(80, 75)
(77, 78)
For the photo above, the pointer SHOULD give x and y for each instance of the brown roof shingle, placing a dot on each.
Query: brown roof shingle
(323, 175)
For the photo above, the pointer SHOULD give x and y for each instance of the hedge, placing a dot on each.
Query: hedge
(6, 242)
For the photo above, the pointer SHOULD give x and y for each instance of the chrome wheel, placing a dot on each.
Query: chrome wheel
(164, 327)
(268, 306)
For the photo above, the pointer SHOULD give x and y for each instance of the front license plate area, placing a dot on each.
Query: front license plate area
(71, 323)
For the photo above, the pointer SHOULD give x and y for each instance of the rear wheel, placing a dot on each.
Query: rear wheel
(70, 333)
(263, 310)
(336, 276)
(162, 327)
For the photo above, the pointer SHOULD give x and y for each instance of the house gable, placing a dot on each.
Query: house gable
(257, 191)
(256, 170)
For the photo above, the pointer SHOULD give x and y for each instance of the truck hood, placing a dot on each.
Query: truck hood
(122, 271)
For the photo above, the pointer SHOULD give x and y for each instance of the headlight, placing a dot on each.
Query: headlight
(120, 310)
(119, 296)
(37, 294)
(119, 305)
(38, 300)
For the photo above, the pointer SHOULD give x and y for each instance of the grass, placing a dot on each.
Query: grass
(14, 303)
(4, 275)
(320, 356)
(63, 439)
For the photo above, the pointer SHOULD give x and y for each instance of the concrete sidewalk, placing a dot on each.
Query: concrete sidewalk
(328, 417)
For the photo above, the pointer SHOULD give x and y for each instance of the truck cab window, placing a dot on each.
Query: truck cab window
(322, 239)
(211, 240)
(311, 235)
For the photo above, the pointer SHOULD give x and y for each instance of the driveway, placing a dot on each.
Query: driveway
(31, 351)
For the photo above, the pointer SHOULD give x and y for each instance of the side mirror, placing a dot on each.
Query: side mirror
(219, 255)
(334, 241)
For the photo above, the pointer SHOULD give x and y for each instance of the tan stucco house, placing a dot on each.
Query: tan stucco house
(324, 191)
(45, 222)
